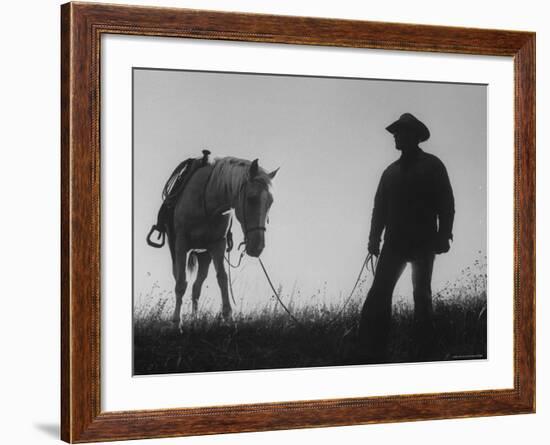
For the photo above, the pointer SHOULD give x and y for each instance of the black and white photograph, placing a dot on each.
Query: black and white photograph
(280, 221)
(284, 221)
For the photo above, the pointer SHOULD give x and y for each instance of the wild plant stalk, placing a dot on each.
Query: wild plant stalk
(268, 338)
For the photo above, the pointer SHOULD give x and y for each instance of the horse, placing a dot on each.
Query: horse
(198, 230)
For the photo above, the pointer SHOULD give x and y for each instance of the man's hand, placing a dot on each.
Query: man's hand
(374, 249)
(442, 245)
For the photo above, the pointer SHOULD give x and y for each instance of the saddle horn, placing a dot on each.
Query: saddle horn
(205, 157)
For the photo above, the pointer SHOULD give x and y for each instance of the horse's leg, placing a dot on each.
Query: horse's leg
(217, 252)
(202, 272)
(172, 246)
(180, 252)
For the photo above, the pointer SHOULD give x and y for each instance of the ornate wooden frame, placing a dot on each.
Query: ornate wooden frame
(81, 28)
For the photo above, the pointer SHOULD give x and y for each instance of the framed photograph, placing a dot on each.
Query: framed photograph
(274, 222)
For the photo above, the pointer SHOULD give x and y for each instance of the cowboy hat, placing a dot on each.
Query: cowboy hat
(410, 123)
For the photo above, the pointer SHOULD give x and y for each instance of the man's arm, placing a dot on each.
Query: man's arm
(378, 219)
(445, 204)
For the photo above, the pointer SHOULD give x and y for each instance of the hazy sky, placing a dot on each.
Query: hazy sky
(328, 136)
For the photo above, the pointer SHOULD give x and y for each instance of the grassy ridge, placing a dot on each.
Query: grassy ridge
(268, 338)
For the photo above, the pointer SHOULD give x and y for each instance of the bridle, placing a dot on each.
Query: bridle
(242, 197)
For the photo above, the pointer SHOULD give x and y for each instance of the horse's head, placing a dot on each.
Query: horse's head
(253, 209)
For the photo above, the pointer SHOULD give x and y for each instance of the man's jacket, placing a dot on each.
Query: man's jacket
(414, 204)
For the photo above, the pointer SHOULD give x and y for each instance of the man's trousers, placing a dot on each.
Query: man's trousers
(374, 328)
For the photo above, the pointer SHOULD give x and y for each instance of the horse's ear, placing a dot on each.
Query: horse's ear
(273, 173)
(254, 169)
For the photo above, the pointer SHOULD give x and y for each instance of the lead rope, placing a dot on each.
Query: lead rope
(365, 265)
(368, 261)
(368, 258)
(277, 295)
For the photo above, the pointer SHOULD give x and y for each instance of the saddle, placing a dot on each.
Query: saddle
(173, 188)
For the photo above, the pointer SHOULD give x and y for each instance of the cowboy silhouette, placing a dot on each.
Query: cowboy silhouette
(414, 207)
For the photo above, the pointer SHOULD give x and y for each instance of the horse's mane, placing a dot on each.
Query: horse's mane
(231, 173)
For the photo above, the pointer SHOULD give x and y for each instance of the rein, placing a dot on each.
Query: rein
(247, 230)
(229, 236)
(294, 319)
(369, 260)
(365, 265)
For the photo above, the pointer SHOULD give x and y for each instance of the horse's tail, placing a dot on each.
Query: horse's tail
(192, 261)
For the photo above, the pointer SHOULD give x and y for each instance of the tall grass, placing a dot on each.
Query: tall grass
(268, 338)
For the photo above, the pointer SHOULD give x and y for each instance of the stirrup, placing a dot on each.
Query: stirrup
(161, 236)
